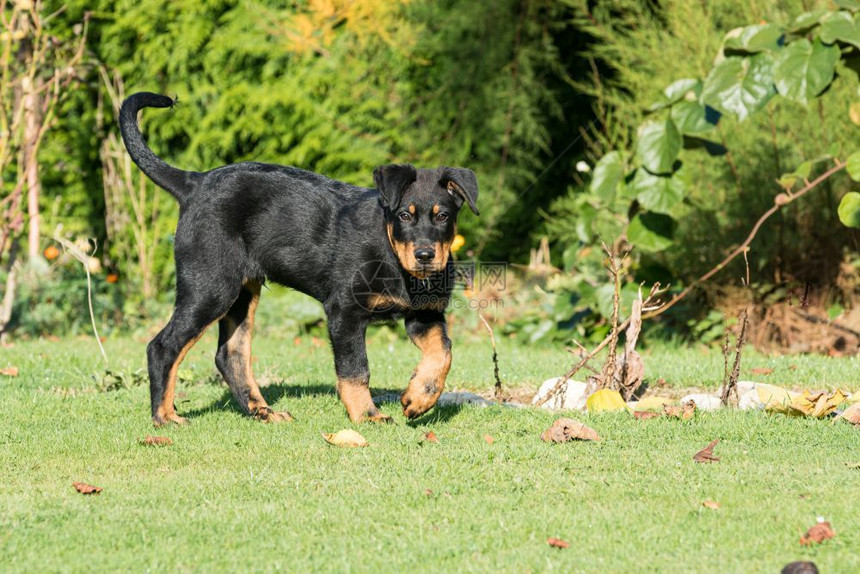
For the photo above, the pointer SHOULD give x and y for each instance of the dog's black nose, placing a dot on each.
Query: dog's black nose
(424, 255)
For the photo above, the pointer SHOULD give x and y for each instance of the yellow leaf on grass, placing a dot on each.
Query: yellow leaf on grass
(605, 400)
(346, 437)
(653, 403)
(851, 414)
(775, 399)
(818, 404)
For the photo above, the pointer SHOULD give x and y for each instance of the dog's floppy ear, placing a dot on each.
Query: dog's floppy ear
(391, 181)
(462, 185)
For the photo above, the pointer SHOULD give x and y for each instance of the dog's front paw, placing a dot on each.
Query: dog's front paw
(377, 418)
(172, 418)
(416, 404)
(267, 415)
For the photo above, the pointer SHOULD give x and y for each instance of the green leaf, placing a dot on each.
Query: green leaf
(689, 117)
(754, 39)
(807, 20)
(740, 85)
(840, 26)
(852, 166)
(803, 69)
(651, 232)
(849, 209)
(658, 146)
(658, 193)
(851, 5)
(676, 91)
(607, 173)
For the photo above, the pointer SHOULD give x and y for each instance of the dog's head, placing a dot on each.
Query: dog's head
(421, 207)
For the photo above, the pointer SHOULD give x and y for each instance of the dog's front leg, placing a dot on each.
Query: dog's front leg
(427, 330)
(350, 362)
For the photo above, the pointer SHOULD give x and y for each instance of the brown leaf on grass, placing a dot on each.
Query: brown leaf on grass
(684, 412)
(852, 464)
(431, 437)
(156, 441)
(707, 453)
(643, 415)
(9, 371)
(818, 533)
(851, 414)
(764, 371)
(85, 488)
(792, 367)
(489, 439)
(345, 438)
(564, 430)
(557, 543)
(712, 504)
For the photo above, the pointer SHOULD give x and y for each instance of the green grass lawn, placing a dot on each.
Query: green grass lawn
(232, 494)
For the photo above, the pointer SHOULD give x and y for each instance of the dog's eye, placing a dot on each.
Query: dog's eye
(442, 217)
(405, 216)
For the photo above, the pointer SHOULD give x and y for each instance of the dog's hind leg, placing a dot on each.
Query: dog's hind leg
(233, 357)
(193, 314)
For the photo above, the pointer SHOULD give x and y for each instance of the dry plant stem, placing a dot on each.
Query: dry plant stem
(495, 359)
(608, 371)
(743, 247)
(82, 257)
(730, 389)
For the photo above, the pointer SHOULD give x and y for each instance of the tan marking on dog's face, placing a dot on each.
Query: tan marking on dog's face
(412, 209)
(436, 209)
(405, 252)
(428, 380)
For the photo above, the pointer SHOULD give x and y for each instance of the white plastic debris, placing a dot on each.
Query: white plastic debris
(749, 400)
(572, 395)
(704, 402)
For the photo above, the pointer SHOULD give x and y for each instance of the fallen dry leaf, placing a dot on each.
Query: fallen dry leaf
(644, 415)
(156, 441)
(428, 492)
(818, 404)
(345, 438)
(557, 543)
(851, 414)
(684, 412)
(85, 488)
(792, 367)
(818, 533)
(431, 437)
(489, 439)
(852, 464)
(713, 505)
(707, 453)
(761, 371)
(9, 371)
(564, 430)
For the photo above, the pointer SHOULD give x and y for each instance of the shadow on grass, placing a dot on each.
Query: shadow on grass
(273, 393)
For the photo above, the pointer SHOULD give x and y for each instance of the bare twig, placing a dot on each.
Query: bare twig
(83, 257)
(730, 381)
(495, 359)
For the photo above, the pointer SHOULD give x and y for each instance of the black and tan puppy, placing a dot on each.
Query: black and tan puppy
(365, 254)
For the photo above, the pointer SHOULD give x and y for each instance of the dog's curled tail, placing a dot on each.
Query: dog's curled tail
(178, 182)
